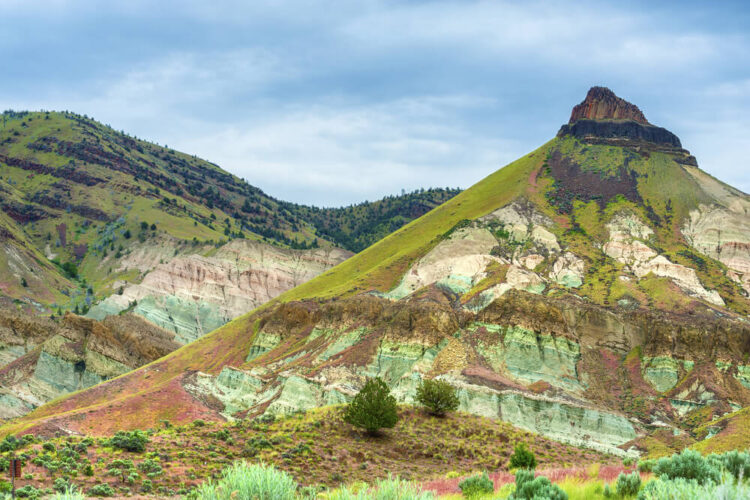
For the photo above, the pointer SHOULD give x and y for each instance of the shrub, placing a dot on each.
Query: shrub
(437, 396)
(372, 408)
(476, 485)
(530, 488)
(134, 441)
(61, 484)
(646, 465)
(242, 480)
(522, 458)
(675, 489)
(736, 463)
(10, 443)
(101, 490)
(385, 489)
(28, 491)
(689, 464)
(150, 467)
(147, 486)
(628, 484)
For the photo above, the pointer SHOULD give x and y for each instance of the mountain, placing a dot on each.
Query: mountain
(100, 223)
(594, 291)
(86, 196)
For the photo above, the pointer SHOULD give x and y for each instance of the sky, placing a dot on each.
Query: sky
(337, 102)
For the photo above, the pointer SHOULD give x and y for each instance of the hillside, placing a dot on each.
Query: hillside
(100, 223)
(593, 291)
(79, 192)
(42, 359)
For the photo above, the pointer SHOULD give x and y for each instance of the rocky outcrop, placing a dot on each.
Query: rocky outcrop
(723, 234)
(457, 263)
(625, 245)
(602, 104)
(627, 131)
(524, 359)
(602, 116)
(43, 360)
(194, 294)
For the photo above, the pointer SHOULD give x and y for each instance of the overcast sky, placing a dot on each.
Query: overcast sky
(330, 103)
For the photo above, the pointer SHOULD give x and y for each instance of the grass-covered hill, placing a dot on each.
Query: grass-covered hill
(581, 292)
(99, 223)
(77, 196)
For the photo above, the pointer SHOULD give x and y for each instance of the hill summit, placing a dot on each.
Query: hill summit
(602, 104)
(609, 119)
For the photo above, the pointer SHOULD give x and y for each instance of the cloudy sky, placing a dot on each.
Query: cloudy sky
(333, 102)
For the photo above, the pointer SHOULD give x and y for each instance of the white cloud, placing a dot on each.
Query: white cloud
(333, 102)
(345, 155)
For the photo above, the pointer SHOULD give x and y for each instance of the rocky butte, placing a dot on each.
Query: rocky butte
(594, 291)
(608, 117)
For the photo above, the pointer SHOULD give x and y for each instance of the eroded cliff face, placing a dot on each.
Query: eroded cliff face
(569, 370)
(722, 230)
(44, 359)
(192, 295)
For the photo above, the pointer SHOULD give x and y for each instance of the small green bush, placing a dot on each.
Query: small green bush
(674, 489)
(373, 408)
(61, 484)
(147, 486)
(28, 491)
(386, 489)
(689, 464)
(522, 458)
(736, 463)
(646, 465)
(437, 396)
(628, 484)
(476, 485)
(10, 443)
(69, 494)
(241, 480)
(530, 488)
(101, 490)
(134, 441)
(150, 466)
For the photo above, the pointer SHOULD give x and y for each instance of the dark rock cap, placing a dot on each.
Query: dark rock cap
(602, 104)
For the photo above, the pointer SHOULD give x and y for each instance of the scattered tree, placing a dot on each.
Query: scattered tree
(373, 408)
(522, 458)
(437, 396)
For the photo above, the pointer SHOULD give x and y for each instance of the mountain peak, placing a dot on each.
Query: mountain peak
(602, 104)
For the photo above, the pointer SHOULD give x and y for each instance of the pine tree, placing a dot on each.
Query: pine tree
(373, 408)
(437, 396)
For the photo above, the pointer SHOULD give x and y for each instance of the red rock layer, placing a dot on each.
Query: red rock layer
(602, 104)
